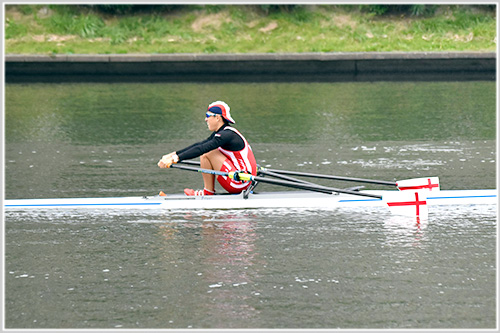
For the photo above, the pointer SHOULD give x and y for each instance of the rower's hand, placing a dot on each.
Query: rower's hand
(167, 160)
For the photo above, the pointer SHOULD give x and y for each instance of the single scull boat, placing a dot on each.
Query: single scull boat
(288, 199)
(413, 195)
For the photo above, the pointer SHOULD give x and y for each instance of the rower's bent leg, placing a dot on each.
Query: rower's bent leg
(212, 160)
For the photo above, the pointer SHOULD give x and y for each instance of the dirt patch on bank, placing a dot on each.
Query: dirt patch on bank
(214, 21)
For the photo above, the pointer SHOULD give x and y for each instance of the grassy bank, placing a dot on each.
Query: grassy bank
(71, 29)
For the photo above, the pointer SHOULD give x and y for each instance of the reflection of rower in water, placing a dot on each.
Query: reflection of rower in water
(232, 266)
(225, 150)
(224, 254)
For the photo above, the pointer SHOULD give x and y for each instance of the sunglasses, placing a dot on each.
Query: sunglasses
(210, 114)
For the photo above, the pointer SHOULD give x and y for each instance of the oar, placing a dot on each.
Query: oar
(284, 177)
(277, 173)
(281, 174)
(267, 173)
(429, 183)
(240, 176)
(320, 176)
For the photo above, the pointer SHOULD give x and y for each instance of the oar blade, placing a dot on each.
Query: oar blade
(407, 203)
(419, 184)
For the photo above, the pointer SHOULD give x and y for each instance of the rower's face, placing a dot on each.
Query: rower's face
(213, 122)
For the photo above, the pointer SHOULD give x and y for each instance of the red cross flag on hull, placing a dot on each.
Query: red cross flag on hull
(408, 203)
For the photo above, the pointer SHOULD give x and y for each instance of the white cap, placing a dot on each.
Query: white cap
(219, 107)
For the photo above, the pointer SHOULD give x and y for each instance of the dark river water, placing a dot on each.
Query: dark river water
(269, 268)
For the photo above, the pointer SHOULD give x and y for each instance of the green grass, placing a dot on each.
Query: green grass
(70, 29)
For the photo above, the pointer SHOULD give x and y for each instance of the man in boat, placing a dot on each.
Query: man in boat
(226, 150)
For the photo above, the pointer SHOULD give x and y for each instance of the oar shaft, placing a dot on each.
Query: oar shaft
(212, 172)
(277, 173)
(266, 172)
(314, 175)
(311, 187)
(302, 186)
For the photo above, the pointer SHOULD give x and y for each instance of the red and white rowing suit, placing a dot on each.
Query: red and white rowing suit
(241, 160)
(232, 144)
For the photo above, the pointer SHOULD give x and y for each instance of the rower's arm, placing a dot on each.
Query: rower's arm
(200, 148)
(194, 145)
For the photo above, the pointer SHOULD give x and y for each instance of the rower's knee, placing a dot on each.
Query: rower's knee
(212, 160)
(205, 161)
(211, 155)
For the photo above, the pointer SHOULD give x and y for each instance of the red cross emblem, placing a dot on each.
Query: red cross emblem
(417, 203)
(429, 186)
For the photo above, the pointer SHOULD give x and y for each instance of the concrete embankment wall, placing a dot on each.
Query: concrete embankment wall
(289, 67)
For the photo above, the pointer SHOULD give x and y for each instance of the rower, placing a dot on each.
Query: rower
(226, 150)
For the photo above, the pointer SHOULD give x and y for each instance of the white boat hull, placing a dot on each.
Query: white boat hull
(289, 199)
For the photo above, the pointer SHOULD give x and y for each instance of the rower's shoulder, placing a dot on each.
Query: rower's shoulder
(228, 130)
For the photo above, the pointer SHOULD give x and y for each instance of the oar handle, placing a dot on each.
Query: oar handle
(190, 162)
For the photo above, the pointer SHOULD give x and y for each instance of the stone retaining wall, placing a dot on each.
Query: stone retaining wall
(334, 67)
